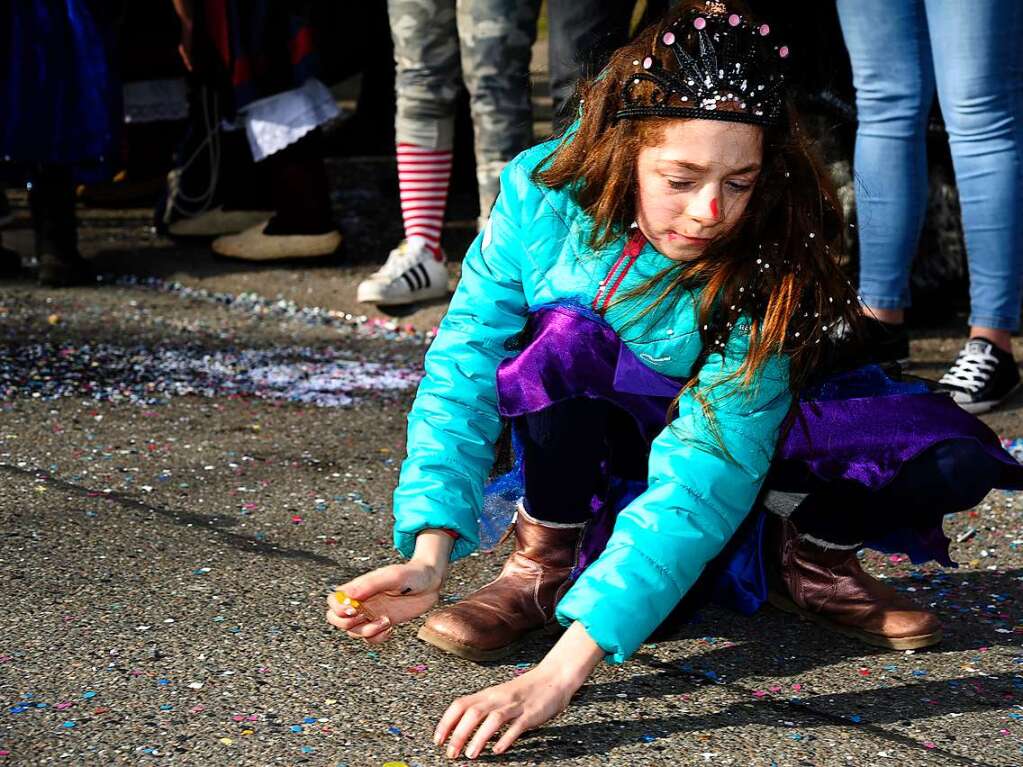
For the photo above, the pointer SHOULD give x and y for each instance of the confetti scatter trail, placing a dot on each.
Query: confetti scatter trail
(144, 375)
(1014, 446)
(280, 308)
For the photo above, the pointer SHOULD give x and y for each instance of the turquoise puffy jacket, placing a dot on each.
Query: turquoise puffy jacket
(534, 252)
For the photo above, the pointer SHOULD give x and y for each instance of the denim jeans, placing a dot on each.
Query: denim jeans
(902, 51)
(583, 34)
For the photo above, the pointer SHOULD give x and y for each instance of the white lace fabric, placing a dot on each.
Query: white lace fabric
(149, 101)
(277, 121)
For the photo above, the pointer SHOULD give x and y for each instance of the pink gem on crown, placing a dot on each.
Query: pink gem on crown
(711, 69)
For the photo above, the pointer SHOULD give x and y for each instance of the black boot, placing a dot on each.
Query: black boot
(52, 202)
(10, 263)
(6, 216)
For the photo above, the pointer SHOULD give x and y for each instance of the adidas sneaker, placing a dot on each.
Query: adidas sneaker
(412, 273)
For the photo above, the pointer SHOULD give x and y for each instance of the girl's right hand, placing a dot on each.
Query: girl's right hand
(391, 595)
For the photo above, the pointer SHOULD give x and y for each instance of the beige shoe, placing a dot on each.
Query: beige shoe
(254, 245)
(217, 221)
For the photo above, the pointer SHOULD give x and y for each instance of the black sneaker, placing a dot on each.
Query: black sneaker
(878, 343)
(982, 376)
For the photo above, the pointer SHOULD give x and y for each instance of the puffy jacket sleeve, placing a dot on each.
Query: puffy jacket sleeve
(454, 422)
(696, 499)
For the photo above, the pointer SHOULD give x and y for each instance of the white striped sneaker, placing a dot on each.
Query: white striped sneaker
(412, 273)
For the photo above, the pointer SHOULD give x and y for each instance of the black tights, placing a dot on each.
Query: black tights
(299, 188)
(51, 198)
(946, 478)
(564, 447)
(566, 444)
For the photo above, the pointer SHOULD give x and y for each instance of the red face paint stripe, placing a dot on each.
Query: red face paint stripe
(714, 207)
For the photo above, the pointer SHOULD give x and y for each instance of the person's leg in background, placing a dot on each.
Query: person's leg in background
(6, 216)
(979, 75)
(58, 77)
(496, 40)
(283, 134)
(894, 81)
(582, 34)
(215, 187)
(277, 98)
(51, 198)
(360, 43)
(299, 188)
(426, 82)
(10, 261)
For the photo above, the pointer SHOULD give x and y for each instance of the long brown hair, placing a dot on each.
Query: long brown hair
(777, 271)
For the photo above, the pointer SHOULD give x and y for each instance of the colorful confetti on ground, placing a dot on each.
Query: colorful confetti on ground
(174, 561)
(144, 375)
(259, 306)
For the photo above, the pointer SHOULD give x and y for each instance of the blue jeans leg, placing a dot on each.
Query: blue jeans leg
(979, 74)
(892, 71)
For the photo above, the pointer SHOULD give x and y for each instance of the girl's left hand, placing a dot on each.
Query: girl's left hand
(521, 703)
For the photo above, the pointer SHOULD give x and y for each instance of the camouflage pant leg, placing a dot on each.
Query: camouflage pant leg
(496, 38)
(426, 55)
(489, 45)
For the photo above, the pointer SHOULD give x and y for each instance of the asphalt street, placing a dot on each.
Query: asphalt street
(194, 451)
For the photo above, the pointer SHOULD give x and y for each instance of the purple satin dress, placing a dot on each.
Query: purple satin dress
(860, 426)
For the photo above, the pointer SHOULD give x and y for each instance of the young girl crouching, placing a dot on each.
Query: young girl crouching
(673, 254)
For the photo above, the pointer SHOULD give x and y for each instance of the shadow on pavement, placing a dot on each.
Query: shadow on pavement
(215, 524)
(772, 643)
(566, 741)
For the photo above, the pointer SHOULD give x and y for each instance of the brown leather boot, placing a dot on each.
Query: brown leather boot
(828, 587)
(491, 622)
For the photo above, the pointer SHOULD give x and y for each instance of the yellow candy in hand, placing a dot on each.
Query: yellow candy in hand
(346, 601)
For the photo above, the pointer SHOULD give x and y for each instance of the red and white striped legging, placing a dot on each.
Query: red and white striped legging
(423, 176)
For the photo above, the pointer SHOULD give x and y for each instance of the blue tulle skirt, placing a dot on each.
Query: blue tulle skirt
(59, 99)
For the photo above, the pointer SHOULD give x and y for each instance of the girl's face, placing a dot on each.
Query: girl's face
(695, 184)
